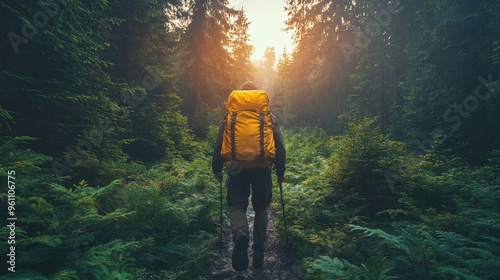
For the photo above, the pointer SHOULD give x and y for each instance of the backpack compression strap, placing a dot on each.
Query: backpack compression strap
(262, 122)
(233, 136)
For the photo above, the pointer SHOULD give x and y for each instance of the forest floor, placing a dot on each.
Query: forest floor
(279, 262)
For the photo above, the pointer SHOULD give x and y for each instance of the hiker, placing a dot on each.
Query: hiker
(234, 142)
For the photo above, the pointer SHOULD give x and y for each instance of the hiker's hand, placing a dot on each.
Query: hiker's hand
(281, 179)
(218, 176)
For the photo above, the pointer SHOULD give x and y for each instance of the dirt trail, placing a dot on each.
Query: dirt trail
(279, 264)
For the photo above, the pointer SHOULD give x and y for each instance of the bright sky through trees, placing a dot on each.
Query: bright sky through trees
(267, 19)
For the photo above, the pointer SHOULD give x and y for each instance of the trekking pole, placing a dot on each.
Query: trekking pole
(221, 208)
(284, 216)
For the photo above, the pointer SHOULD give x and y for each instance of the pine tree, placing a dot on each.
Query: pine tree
(207, 73)
(321, 29)
(54, 83)
(144, 52)
(282, 82)
(266, 72)
(452, 54)
(381, 64)
(241, 50)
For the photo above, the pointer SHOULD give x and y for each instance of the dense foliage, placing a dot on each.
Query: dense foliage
(108, 111)
(432, 217)
(151, 221)
(110, 183)
(408, 187)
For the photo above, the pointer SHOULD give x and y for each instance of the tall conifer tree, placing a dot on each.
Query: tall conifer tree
(240, 49)
(206, 77)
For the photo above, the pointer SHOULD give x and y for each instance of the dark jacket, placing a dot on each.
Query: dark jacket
(279, 163)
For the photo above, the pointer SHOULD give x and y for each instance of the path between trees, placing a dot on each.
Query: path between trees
(279, 264)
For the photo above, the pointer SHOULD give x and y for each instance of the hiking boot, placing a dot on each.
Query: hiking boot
(240, 256)
(258, 257)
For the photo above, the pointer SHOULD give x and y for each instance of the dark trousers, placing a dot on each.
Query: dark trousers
(237, 197)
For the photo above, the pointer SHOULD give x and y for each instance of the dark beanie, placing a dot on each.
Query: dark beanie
(248, 86)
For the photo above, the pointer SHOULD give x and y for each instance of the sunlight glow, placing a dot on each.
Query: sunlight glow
(267, 23)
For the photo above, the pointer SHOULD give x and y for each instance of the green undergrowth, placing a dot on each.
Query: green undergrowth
(361, 206)
(157, 221)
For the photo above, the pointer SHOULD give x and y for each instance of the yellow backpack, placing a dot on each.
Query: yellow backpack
(248, 140)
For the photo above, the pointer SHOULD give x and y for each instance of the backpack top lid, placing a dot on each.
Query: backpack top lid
(248, 100)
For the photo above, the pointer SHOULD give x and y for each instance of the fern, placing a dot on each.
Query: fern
(440, 253)
(109, 261)
(378, 269)
(333, 268)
